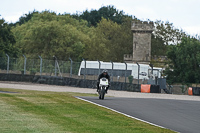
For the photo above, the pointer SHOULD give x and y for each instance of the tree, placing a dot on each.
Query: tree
(111, 41)
(96, 48)
(158, 46)
(94, 16)
(164, 35)
(7, 40)
(168, 33)
(48, 34)
(184, 65)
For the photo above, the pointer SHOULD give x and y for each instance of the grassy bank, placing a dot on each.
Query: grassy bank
(52, 112)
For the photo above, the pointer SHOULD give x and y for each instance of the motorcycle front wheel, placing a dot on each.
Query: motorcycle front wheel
(102, 94)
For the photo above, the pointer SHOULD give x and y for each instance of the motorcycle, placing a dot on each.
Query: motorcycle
(102, 87)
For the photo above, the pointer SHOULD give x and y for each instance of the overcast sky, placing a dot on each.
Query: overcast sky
(184, 14)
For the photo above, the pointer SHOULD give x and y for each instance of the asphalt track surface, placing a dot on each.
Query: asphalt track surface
(178, 115)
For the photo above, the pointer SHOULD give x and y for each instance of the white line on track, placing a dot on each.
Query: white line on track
(121, 113)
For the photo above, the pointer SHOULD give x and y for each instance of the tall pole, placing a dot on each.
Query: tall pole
(151, 65)
(112, 69)
(58, 67)
(24, 64)
(99, 66)
(8, 64)
(125, 71)
(40, 65)
(55, 64)
(138, 72)
(85, 68)
(71, 67)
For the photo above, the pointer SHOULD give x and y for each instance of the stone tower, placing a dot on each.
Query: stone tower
(142, 41)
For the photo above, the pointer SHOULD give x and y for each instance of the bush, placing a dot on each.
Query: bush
(130, 78)
(33, 71)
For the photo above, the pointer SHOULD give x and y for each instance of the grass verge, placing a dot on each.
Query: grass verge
(53, 112)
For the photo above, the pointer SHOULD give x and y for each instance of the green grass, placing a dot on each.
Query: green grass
(52, 112)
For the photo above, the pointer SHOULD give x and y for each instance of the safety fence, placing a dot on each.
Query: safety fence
(38, 66)
(70, 68)
(59, 72)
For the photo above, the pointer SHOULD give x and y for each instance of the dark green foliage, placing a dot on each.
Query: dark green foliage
(158, 46)
(7, 40)
(184, 65)
(110, 12)
(130, 78)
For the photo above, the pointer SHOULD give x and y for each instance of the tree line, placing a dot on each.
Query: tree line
(102, 34)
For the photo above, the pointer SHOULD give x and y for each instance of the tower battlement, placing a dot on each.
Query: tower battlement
(142, 26)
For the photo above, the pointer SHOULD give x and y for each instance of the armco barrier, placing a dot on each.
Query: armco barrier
(194, 91)
(155, 89)
(54, 80)
(16, 77)
(147, 88)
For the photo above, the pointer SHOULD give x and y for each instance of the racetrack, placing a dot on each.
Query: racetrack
(178, 115)
(177, 112)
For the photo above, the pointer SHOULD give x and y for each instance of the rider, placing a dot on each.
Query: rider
(104, 74)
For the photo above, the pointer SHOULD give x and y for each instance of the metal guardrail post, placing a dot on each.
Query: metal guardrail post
(125, 71)
(58, 68)
(8, 63)
(85, 68)
(138, 72)
(99, 66)
(151, 76)
(71, 67)
(40, 65)
(55, 64)
(112, 70)
(151, 65)
(24, 64)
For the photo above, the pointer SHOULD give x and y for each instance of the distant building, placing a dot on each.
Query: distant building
(141, 43)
